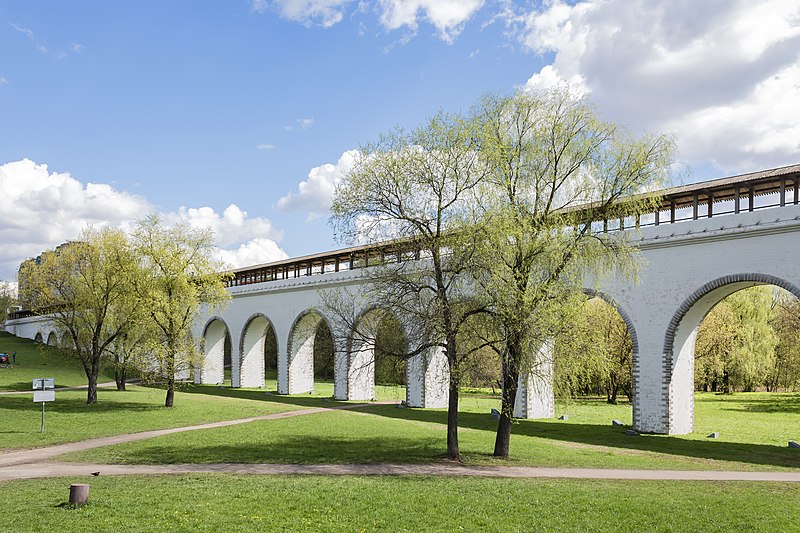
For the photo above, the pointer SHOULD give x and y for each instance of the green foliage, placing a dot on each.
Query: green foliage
(735, 345)
(548, 153)
(416, 189)
(785, 373)
(8, 298)
(594, 353)
(180, 277)
(87, 287)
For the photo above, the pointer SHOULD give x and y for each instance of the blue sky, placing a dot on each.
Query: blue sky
(240, 114)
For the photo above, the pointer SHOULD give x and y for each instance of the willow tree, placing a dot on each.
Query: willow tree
(416, 189)
(86, 287)
(736, 342)
(181, 276)
(594, 353)
(556, 169)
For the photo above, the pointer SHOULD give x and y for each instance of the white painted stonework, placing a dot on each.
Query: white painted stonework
(687, 268)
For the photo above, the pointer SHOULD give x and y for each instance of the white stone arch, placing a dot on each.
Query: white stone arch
(52, 339)
(251, 350)
(361, 353)
(635, 357)
(678, 359)
(300, 353)
(215, 332)
(38, 337)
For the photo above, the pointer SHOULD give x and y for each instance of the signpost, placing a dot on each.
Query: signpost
(44, 391)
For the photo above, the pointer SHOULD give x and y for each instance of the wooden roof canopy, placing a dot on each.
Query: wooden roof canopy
(744, 187)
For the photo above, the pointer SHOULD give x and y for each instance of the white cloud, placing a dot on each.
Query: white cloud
(300, 124)
(723, 75)
(232, 227)
(253, 252)
(22, 29)
(315, 194)
(3, 80)
(265, 147)
(325, 13)
(41, 209)
(447, 16)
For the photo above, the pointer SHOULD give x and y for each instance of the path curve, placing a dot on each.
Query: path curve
(28, 464)
(36, 455)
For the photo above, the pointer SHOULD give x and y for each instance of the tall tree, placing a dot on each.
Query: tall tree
(86, 287)
(181, 276)
(548, 153)
(417, 189)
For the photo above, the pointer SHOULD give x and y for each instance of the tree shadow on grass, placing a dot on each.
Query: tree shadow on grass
(610, 436)
(296, 449)
(263, 395)
(74, 405)
(779, 403)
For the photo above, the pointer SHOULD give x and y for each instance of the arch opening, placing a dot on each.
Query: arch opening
(216, 352)
(312, 353)
(681, 341)
(594, 352)
(52, 339)
(378, 356)
(255, 351)
(38, 338)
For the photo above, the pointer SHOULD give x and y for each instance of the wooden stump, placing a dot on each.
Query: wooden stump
(78, 493)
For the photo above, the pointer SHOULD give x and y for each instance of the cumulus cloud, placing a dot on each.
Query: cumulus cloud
(252, 252)
(447, 16)
(41, 209)
(315, 194)
(722, 75)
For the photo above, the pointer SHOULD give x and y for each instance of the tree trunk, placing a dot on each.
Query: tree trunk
(91, 396)
(452, 423)
(503, 439)
(120, 373)
(170, 391)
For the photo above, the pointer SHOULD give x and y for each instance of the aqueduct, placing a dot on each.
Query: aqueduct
(706, 241)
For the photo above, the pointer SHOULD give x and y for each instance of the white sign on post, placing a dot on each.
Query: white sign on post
(44, 383)
(43, 391)
(44, 396)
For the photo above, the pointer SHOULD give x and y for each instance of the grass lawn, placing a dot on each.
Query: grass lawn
(69, 419)
(39, 361)
(212, 502)
(753, 431)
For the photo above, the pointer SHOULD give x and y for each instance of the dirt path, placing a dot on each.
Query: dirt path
(82, 472)
(30, 464)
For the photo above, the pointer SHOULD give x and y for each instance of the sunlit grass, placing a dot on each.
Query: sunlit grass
(312, 503)
(387, 434)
